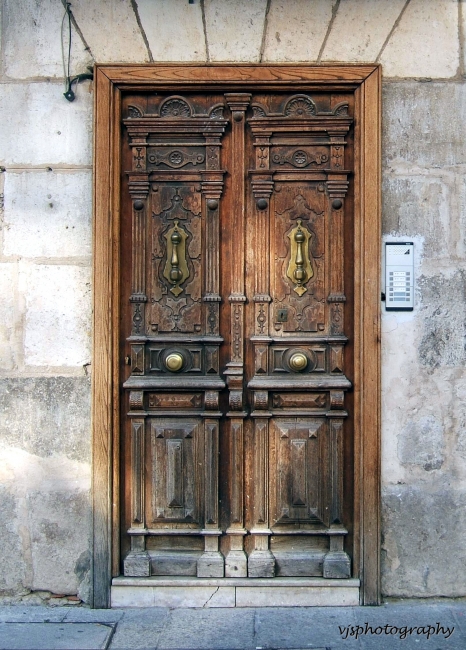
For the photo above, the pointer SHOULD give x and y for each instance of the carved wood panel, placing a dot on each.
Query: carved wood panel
(174, 470)
(301, 448)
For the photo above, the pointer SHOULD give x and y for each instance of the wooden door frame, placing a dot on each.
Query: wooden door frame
(110, 81)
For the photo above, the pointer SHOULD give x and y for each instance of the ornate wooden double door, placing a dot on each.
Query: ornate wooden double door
(237, 325)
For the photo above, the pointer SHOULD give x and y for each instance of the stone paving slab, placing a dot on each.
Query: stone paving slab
(228, 629)
(140, 629)
(305, 627)
(54, 636)
(273, 628)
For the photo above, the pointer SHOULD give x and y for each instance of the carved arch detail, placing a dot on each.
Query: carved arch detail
(175, 106)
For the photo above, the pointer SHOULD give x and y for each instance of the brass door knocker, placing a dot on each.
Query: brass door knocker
(300, 269)
(176, 269)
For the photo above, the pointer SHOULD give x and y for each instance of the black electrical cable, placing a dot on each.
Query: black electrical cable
(69, 81)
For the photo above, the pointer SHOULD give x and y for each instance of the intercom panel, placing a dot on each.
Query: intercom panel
(399, 276)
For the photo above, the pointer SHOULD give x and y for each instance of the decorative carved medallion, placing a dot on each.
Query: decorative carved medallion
(300, 106)
(217, 112)
(176, 158)
(299, 158)
(134, 111)
(175, 107)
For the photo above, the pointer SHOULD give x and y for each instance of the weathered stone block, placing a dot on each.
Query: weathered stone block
(32, 46)
(235, 29)
(337, 565)
(421, 442)
(43, 128)
(137, 564)
(236, 564)
(49, 513)
(111, 30)
(261, 564)
(45, 416)
(59, 524)
(443, 312)
(10, 317)
(58, 313)
(174, 563)
(360, 29)
(423, 551)
(48, 214)
(423, 124)
(174, 29)
(210, 565)
(296, 29)
(14, 571)
(425, 43)
(420, 205)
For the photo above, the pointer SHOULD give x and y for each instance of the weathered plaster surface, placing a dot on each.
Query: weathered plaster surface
(45, 255)
(44, 475)
(423, 353)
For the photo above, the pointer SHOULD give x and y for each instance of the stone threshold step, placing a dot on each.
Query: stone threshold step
(180, 591)
(182, 581)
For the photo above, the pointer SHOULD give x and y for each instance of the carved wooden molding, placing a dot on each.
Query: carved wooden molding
(111, 81)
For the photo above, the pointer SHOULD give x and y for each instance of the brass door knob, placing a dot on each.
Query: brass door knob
(174, 362)
(298, 361)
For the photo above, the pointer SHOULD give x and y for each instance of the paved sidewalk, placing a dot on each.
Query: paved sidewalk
(409, 626)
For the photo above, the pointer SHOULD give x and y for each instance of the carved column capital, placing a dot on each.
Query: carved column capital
(138, 186)
(337, 186)
(238, 102)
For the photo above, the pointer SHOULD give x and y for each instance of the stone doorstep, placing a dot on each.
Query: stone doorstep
(233, 592)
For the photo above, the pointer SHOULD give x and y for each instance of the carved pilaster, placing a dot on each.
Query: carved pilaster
(236, 560)
(137, 473)
(336, 469)
(337, 186)
(138, 189)
(211, 563)
(262, 188)
(211, 188)
(238, 104)
(235, 563)
(137, 562)
(261, 562)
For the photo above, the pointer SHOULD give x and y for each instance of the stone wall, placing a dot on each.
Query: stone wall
(45, 259)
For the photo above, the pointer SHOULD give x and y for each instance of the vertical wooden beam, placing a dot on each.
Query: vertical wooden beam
(367, 330)
(103, 343)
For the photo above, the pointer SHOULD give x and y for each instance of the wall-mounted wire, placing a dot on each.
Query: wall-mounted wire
(69, 94)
